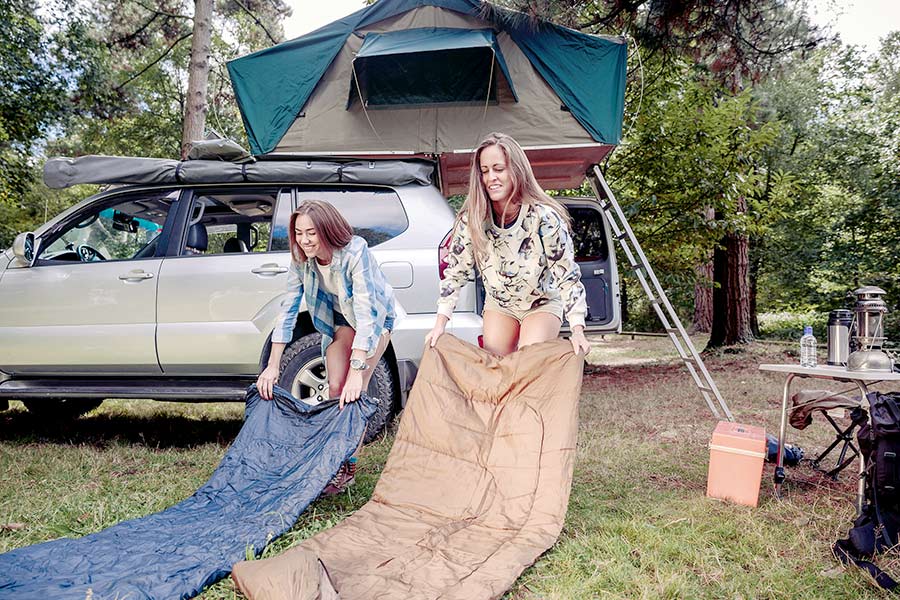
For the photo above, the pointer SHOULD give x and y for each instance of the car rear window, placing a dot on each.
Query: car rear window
(588, 234)
(376, 214)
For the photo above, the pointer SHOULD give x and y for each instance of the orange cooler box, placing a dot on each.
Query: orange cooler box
(736, 454)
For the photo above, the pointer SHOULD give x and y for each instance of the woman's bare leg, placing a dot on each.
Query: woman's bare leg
(337, 360)
(501, 332)
(538, 327)
(373, 360)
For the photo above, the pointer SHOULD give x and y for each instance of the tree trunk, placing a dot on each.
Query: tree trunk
(703, 298)
(731, 297)
(198, 76)
(737, 330)
(719, 300)
(703, 291)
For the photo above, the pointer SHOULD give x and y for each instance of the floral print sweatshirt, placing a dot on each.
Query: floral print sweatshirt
(528, 264)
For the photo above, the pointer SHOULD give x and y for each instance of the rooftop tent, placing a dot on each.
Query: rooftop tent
(429, 66)
(436, 76)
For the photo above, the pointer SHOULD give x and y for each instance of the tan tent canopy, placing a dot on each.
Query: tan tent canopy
(432, 78)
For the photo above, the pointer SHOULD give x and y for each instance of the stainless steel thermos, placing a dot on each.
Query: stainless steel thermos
(839, 336)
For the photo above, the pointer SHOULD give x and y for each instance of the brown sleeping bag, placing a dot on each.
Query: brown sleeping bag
(474, 490)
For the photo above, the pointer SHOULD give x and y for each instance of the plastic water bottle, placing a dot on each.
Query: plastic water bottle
(808, 348)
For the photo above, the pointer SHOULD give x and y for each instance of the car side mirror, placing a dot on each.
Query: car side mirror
(24, 248)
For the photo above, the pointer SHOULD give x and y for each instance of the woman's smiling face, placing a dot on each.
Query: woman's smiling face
(495, 173)
(308, 238)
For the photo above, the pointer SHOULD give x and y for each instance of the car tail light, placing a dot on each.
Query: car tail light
(443, 253)
(481, 341)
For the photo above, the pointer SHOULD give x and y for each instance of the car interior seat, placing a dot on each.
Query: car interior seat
(234, 244)
(197, 239)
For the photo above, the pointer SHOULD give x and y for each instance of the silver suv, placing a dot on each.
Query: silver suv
(171, 292)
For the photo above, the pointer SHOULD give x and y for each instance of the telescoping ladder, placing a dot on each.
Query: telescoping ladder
(644, 272)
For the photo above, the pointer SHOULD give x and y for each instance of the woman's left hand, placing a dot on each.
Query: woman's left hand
(352, 388)
(579, 342)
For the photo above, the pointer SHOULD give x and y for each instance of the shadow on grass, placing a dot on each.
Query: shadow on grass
(157, 431)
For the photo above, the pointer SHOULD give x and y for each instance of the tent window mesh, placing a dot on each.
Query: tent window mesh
(460, 76)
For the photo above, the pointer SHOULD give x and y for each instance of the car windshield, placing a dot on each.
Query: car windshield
(116, 232)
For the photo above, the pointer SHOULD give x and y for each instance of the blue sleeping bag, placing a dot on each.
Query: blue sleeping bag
(283, 457)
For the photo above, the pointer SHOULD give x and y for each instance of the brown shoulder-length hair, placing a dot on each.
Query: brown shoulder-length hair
(331, 226)
(525, 190)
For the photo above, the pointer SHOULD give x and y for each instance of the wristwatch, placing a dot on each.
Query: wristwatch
(358, 364)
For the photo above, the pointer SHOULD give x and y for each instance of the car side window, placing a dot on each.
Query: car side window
(588, 234)
(238, 221)
(376, 214)
(128, 227)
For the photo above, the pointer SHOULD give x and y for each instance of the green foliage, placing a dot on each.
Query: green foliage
(789, 326)
(107, 77)
(840, 143)
(690, 165)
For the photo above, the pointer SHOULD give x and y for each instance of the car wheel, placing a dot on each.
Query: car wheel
(61, 409)
(303, 375)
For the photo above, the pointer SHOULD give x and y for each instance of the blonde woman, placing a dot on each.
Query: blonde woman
(518, 238)
(349, 300)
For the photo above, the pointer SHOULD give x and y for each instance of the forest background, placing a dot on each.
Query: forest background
(759, 167)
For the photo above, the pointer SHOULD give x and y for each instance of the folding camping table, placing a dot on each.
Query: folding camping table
(862, 379)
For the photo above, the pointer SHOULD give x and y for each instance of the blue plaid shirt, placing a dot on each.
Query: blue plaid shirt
(364, 298)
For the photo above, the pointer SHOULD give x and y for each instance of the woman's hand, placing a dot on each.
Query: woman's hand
(579, 342)
(437, 331)
(352, 388)
(266, 381)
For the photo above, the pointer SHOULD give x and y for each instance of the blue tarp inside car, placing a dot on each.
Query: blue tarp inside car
(283, 457)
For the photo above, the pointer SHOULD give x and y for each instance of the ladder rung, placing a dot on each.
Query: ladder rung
(621, 236)
(705, 389)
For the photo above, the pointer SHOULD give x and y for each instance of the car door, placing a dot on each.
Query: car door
(596, 257)
(88, 305)
(222, 280)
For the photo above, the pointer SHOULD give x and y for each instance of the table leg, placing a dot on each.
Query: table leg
(779, 463)
(861, 484)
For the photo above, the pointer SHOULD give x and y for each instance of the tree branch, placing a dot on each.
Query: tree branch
(161, 13)
(255, 18)
(158, 58)
(133, 34)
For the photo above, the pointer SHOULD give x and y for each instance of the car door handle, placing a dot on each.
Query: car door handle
(269, 270)
(136, 275)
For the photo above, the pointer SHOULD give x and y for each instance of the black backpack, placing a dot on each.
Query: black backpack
(876, 528)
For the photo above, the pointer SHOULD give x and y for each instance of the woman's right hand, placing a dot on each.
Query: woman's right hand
(437, 331)
(266, 381)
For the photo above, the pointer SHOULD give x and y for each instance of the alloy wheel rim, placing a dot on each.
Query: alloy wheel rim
(311, 383)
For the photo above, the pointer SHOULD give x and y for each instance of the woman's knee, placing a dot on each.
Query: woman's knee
(539, 327)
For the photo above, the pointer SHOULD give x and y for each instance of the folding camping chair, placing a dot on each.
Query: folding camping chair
(805, 403)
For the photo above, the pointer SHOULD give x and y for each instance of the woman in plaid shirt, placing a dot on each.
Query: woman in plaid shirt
(349, 300)
(518, 237)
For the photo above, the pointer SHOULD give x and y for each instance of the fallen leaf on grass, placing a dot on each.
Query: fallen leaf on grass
(11, 526)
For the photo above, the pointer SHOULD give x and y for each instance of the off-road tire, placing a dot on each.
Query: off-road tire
(61, 409)
(306, 353)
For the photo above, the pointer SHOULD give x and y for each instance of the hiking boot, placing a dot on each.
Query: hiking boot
(343, 479)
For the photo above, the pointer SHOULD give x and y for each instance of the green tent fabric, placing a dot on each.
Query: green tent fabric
(587, 72)
(403, 67)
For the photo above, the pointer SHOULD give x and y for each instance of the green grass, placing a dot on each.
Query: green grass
(638, 526)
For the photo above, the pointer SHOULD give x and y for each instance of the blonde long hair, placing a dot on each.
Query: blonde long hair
(332, 228)
(525, 190)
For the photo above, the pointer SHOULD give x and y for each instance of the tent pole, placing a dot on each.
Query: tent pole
(638, 262)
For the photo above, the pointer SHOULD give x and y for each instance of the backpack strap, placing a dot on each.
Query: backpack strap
(845, 552)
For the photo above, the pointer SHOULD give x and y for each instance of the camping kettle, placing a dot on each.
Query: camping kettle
(839, 337)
